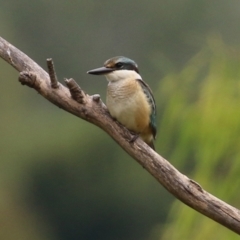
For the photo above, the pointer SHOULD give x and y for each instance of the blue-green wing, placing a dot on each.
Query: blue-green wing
(148, 92)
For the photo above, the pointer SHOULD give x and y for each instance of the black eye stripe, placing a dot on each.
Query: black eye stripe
(119, 64)
(128, 66)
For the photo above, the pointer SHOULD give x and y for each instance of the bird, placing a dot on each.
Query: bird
(129, 99)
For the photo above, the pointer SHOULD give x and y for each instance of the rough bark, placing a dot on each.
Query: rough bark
(90, 108)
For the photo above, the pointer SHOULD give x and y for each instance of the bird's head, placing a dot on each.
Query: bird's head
(117, 68)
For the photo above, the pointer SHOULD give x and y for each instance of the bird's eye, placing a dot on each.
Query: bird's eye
(119, 65)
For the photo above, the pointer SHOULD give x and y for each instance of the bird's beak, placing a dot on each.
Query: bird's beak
(100, 71)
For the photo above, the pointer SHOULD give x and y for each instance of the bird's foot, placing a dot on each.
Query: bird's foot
(134, 137)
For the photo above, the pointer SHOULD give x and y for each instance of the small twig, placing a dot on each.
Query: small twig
(96, 98)
(29, 79)
(52, 73)
(76, 92)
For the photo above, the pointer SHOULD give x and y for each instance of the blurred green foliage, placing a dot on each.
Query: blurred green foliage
(201, 115)
(62, 178)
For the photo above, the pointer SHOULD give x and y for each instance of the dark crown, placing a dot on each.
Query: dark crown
(121, 63)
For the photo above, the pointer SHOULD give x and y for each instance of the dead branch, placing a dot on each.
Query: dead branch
(91, 108)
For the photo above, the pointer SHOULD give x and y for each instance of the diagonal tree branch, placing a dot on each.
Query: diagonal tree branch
(90, 108)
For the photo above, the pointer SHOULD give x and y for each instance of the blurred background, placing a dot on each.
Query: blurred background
(62, 178)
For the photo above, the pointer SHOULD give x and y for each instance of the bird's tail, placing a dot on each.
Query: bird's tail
(151, 144)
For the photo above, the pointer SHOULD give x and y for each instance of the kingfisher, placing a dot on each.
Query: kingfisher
(129, 99)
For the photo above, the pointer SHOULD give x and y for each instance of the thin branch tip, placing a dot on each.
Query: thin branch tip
(52, 73)
(76, 92)
(96, 98)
